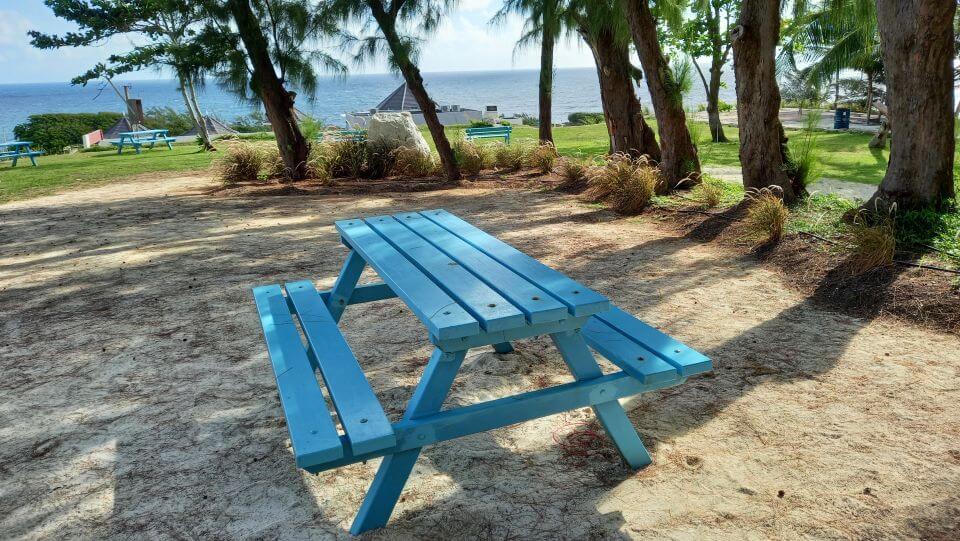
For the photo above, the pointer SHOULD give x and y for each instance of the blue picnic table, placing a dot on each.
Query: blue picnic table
(14, 150)
(143, 138)
(470, 290)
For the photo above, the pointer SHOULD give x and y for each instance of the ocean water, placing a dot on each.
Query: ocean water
(514, 91)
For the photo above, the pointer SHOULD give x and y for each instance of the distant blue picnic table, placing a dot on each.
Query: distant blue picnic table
(470, 290)
(143, 138)
(14, 150)
(490, 132)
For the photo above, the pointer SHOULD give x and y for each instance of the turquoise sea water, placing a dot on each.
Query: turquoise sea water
(514, 91)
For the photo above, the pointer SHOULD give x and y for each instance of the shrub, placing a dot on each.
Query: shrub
(529, 120)
(509, 157)
(481, 124)
(766, 216)
(168, 118)
(410, 162)
(542, 158)
(874, 245)
(574, 173)
(471, 157)
(320, 162)
(255, 122)
(52, 132)
(347, 158)
(273, 166)
(583, 119)
(240, 163)
(379, 159)
(628, 184)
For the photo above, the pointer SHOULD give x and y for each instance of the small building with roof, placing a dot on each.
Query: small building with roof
(402, 99)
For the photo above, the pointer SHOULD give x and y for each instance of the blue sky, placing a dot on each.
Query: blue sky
(465, 42)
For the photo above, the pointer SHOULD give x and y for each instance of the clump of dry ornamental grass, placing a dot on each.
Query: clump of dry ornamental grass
(240, 163)
(410, 162)
(766, 216)
(874, 245)
(509, 157)
(542, 158)
(709, 193)
(627, 184)
(471, 157)
(574, 174)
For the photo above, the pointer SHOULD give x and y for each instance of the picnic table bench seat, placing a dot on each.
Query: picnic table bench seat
(490, 132)
(313, 432)
(470, 290)
(354, 136)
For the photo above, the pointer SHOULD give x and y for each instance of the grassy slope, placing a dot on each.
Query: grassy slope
(55, 173)
(843, 156)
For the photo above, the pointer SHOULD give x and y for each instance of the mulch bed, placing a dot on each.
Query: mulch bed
(924, 296)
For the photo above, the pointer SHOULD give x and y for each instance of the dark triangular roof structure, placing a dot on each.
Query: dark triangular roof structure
(214, 127)
(399, 100)
(122, 125)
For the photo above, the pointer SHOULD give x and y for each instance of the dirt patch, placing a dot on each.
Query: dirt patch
(137, 400)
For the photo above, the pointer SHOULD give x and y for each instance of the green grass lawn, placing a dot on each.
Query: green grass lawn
(54, 173)
(843, 156)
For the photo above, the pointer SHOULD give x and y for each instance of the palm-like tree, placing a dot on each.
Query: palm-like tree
(543, 24)
(399, 26)
(607, 35)
(261, 49)
(833, 36)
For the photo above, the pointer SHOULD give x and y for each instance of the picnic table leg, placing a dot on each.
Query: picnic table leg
(614, 419)
(33, 159)
(503, 347)
(396, 468)
(346, 282)
(15, 158)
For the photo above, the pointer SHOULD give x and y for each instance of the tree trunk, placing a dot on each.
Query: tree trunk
(917, 41)
(546, 89)
(713, 105)
(202, 127)
(869, 95)
(629, 132)
(763, 145)
(680, 163)
(278, 102)
(411, 74)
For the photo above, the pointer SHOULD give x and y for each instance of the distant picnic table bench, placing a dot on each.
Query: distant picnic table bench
(490, 132)
(143, 138)
(14, 150)
(354, 136)
(470, 290)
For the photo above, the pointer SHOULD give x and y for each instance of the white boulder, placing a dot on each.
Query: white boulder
(395, 130)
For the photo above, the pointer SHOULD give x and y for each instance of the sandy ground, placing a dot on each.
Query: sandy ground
(137, 400)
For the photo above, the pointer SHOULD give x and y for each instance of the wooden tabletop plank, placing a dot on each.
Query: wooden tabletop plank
(492, 310)
(538, 305)
(443, 316)
(579, 299)
(357, 406)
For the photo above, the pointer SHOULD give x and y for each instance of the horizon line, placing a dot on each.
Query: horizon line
(328, 76)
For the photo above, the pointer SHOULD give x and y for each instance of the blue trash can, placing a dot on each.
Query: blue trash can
(841, 119)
